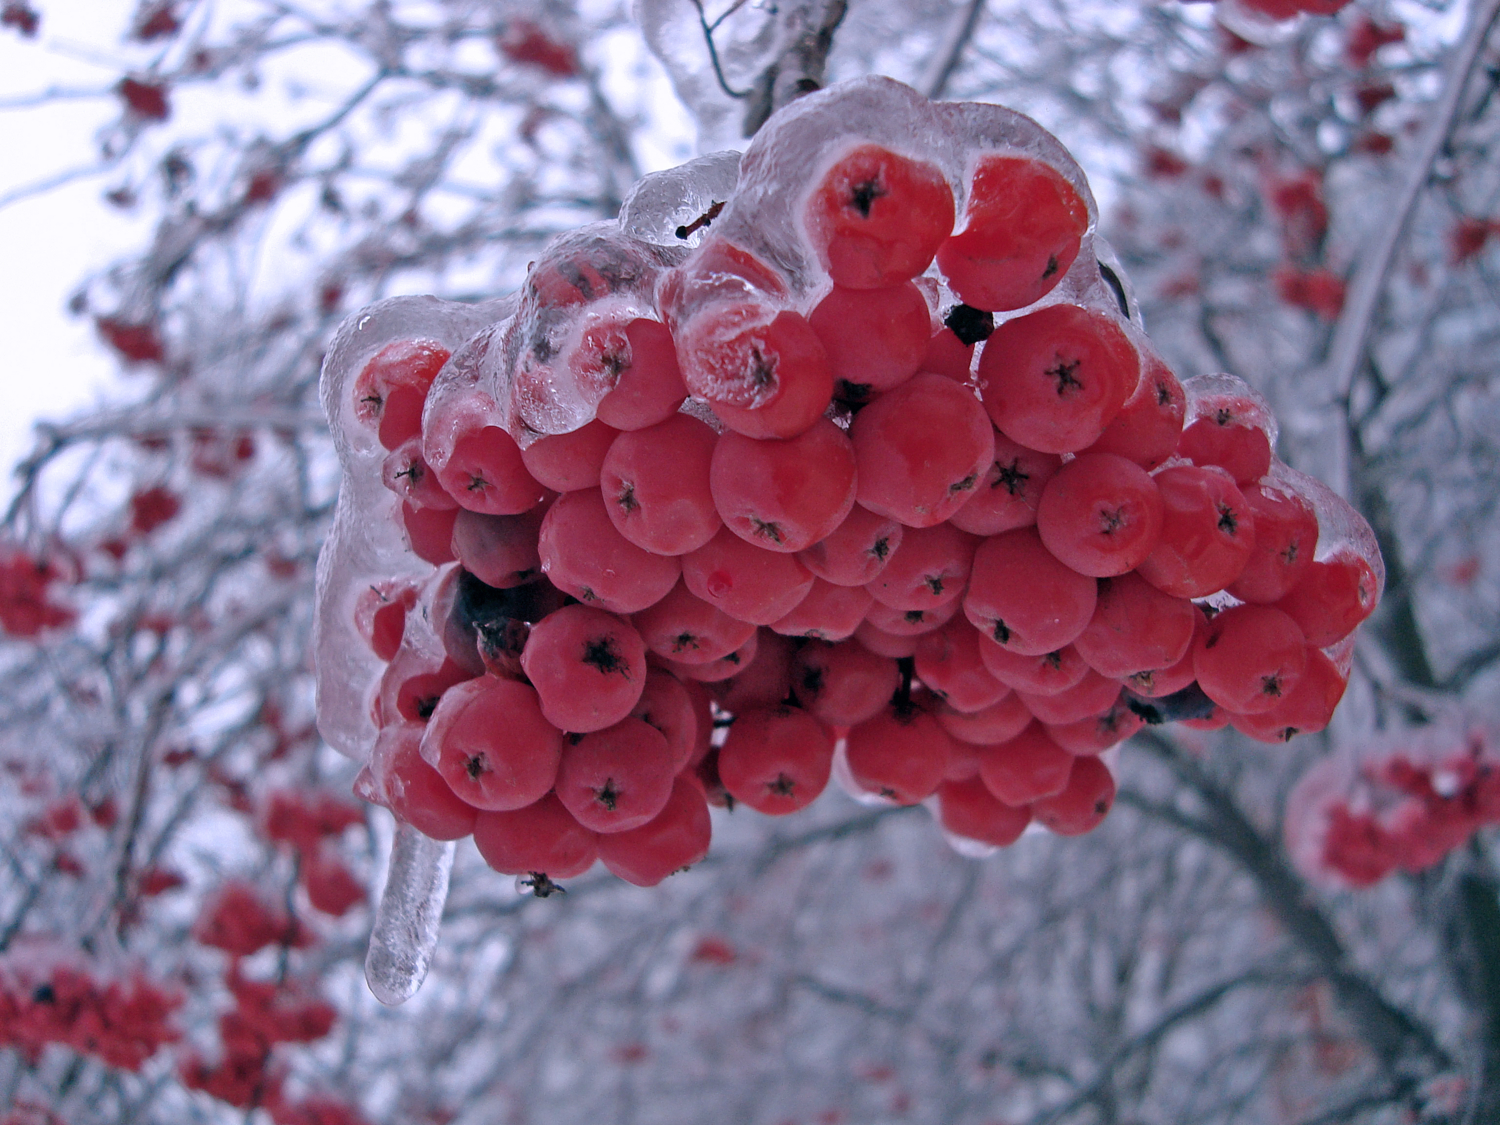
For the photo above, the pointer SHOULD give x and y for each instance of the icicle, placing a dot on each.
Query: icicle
(410, 912)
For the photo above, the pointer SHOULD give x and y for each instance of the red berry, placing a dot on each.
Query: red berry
(648, 386)
(1286, 535)
(617, 778)
(877, 218)
(921, 450)
(827, 613)
(485, 473)
(1306, 709)
(875, 338)
(1027, 768)
(1136, 628)
(948, 662)
(1100, 514)
(667, 706)
(1096, 733)
(745, 581)
(948, 356)
(1333, 597)
(763, 375)
(1022, 229)
(1023, 598)
(843, 684)
(540, 839)
(1083, 804)
(910, 622)
(966, 808)
(999, 722)
(716, 671)
(1207, 532)
(901, 753)
(414, 791)
(655, 483)
(784, 495)
(391, 388)
(1046, 674)
(892, 645)
(686, 629)
(582, 554)
(676, 838)
(489, 740)
(1249, 658)
(1053, 379)
(498, 550)
(429, 532)
(571, 461)
(380, 616)
(855, 551)
(1227, 433)
(406, 474)
(1091, 695)
(1148, 426)
(766, 681)
(776, 759)
(929, 569)
(1010, 490)
(588, 667)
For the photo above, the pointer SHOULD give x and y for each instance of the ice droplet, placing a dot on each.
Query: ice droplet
(411, 910)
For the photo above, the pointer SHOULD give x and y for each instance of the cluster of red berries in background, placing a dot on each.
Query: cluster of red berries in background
(841, 491)
(122, 1020)
(1399, 809)
(26, 607)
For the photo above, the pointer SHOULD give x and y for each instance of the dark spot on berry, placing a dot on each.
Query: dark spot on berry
(762, 370)
(812, 681)
(732, 658)
(1229, 523)
(783, 786)
(1001, 632)
(881, 547)
(1066, 375)
(963, 485)
(771, 530)
(1163, 394)
(863, 196)
(476, 766)
(935, 584)
(425, 706)
(853, 393)
(1053, 660)
(684, 641)
(914, 616)
(476, 483)
(1111, 521)
(601, 654)
(1010, 477)
(1223, 416)
(1271, 685)
(1051, 267)
(607, 795)
(969, 324)
(44, 994)
(1101, 806)
(626, 499)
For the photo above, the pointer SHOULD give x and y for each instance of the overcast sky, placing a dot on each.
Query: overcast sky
(52, 363)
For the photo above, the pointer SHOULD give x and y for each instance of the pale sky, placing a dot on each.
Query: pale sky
(52, 363)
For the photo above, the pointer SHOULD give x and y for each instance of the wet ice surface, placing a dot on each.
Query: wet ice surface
(407, 920)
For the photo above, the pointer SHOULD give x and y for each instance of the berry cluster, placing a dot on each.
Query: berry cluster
(44, 999)
(1401, 808)
(875, 481)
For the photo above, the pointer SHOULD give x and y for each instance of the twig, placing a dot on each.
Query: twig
(1351, 335)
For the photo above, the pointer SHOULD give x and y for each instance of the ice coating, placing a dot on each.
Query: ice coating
(1207, 394)
(405, 933)
(664, 206)
(366, 544)
(1340, 527)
